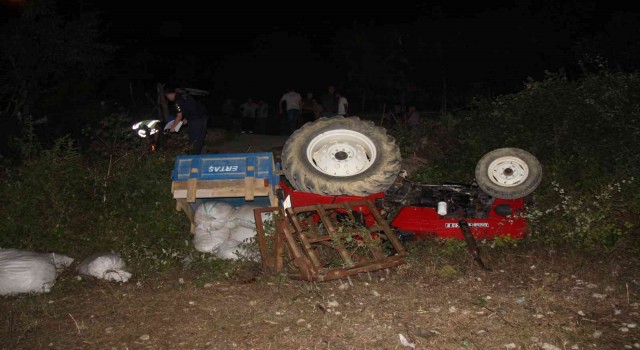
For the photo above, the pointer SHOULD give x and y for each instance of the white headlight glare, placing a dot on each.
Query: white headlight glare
(152, 123)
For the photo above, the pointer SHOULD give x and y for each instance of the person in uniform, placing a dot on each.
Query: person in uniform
(194, 112)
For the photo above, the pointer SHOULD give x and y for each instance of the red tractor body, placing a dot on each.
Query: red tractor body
(487, 217)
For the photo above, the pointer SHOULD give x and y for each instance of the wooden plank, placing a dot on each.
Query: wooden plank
(189, 191)
(215, 184)
(184, 205)
(249, 186)
(220, 188)
(192, 186)
(273, 199)
(249, 182)
(233, 193)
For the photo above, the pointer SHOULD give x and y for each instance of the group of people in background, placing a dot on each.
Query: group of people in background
(254, 117)
(296, 110)
(301, 110)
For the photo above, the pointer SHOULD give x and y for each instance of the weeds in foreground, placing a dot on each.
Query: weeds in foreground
(587, 220)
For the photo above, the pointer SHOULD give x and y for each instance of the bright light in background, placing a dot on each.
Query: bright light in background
(145, 127)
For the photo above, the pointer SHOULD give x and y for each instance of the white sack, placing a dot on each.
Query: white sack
(243, 216)
(27, 272)
(228, 249)
(106, 266)
(213, 215)
(235, 250)
(207, 241)
(60, 261)
(242, 234)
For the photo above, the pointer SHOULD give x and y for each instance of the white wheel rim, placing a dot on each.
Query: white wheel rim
(341, 152)
(508, 171)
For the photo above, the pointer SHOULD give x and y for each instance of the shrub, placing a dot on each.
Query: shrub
(582, 219)
(583, 131)
(586, 133)
(47, 202)
(59, 202)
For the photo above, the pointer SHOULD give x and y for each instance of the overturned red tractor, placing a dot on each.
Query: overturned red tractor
(343, 209)
(339, 159)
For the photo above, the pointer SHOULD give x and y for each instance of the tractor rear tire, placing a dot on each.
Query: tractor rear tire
(508, 173)
(341, 156)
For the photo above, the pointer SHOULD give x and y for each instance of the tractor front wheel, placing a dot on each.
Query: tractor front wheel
(508, 173)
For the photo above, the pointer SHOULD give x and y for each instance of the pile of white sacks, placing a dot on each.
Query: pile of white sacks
(221, 229)
(26, 272)
(30, 272)
(226, 231)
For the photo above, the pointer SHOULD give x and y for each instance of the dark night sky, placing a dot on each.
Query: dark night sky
(213, 33)
(229, 26)
(184, 29)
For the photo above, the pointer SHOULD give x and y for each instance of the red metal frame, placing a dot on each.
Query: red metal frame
(425, 221)
(301, 199)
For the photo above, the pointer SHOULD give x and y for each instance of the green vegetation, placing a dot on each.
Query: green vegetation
(114, 195)
(65, 202)
(586, 133)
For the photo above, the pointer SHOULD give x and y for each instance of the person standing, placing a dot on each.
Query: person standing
(308, 106)
(292, 101)
(329, 102)
(189, 110)
(228, 111)
(248, 111)
(343, 105)
(413, 116)
(262, 114)
(317, 109)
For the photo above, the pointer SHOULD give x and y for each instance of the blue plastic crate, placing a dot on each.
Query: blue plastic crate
(232, 166)
(232, 178)
(236, 179)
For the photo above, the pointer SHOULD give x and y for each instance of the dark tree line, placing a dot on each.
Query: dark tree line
(59, 64)
(49, 66)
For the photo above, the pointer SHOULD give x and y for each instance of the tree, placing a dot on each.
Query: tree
(375, 61)
(47, 64)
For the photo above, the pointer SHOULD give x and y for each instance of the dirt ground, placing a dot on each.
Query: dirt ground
(534, 298)
(531, 300)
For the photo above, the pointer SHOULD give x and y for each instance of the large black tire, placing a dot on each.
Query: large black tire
(508, 173)
(341, 156)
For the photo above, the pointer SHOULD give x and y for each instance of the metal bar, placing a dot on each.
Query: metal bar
(303, 238)
(262, 240)
(336, 239)
(472, 246)
(309, 245)
(369, 242)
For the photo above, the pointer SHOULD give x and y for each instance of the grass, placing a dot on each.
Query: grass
(538, 295)
(532, 297)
